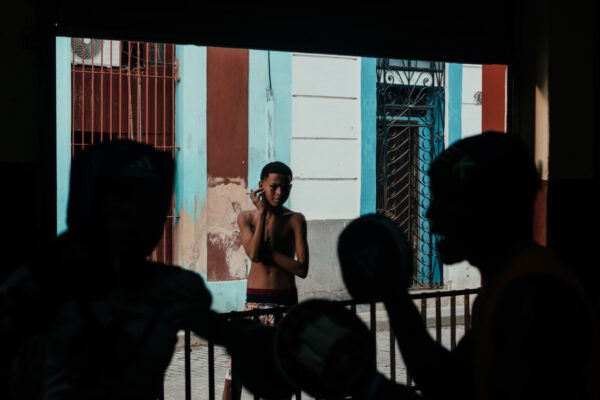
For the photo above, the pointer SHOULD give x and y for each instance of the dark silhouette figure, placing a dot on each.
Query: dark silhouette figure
(534, 333)
(91, 317)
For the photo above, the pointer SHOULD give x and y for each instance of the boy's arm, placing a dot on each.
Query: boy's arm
(252, 241)
(298, 266)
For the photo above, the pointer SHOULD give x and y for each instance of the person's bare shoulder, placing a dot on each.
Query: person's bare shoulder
(297, 218)
(247, 217)
(290, 213)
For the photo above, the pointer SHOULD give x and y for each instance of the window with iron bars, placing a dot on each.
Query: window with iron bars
(410, 123)
(125, 90)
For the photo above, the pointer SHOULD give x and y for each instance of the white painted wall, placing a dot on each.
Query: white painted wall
(471, 111)
(325, 150)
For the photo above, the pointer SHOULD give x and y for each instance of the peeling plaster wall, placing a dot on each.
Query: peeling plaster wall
(226, 199)
(190, 241)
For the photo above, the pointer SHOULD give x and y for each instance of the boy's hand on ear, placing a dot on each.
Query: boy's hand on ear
(257, 199)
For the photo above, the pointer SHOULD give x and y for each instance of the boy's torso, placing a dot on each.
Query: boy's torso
(279, 236)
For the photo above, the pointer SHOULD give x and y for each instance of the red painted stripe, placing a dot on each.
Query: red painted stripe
(227, 142)
(227, 109)
(494, 98)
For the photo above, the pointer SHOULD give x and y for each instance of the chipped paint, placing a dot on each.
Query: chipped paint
(226, 257)
(227, 251)
(190, 240)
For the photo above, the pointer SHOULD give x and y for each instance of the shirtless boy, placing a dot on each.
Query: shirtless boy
(274, 239)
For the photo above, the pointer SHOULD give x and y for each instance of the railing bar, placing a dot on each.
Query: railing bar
(138, 98)
(433, 294)
(92, 95)
(82, 94)
(72, 103)
(110, 102)
(155, 76)
(188, 365)
(438, 320)
(129, 110)
(120, 97)
(211, 370)
(164, 113)
(453, 322)
(424, 316)
(146, 108)
(236, 392)
(173, 69)
(467, 315)
(373, 318)
(392, 355)
(102, 91)
(164, 245)
(161, 392)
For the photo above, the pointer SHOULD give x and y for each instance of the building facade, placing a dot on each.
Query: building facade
(234, 110)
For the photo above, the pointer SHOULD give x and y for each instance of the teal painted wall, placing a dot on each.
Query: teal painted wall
(368, 105)
(190, 191)
(454, 90)
(228, 295)
(63, 130)
(190, 123)
(269, 111)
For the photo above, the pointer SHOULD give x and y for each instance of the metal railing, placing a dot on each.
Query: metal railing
(457, 305)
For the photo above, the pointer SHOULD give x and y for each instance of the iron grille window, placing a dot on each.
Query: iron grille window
(125, 90)
(410, 122)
